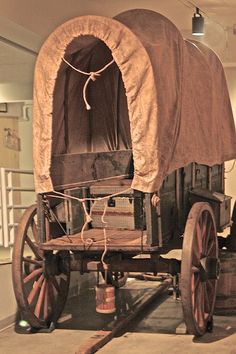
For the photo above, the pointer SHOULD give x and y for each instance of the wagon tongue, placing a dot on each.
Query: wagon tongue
(209, 268)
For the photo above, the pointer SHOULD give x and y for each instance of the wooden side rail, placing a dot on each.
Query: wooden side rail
(74, 169)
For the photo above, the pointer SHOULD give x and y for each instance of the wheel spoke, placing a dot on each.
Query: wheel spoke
(32, 261)
(199, 238)
(196, 257)
(196, 296)
(207, 236)
(211, 248)
(204, 224)
(202, 321)
(33, 247)
(32, 275)
(199, 306)
(207, 302)
(196, 284)
(46, 302)
(35, 289)
(40, 299)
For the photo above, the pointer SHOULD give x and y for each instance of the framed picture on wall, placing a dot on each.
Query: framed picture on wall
(3, 107)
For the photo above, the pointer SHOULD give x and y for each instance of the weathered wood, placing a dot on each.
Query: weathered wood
(200, 176)
(146, 265)
(151, 221)
(75, 217)
(71, 169)
(219, 202)
(119, 241)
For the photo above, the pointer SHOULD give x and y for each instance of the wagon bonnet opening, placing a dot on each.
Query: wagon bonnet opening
(161, 96)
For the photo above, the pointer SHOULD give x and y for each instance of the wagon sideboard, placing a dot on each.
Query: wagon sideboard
(157, 225)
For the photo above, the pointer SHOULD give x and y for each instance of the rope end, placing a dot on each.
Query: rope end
(88, 107)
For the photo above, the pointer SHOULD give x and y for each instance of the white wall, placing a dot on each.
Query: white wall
(230, 178)
(7, 298)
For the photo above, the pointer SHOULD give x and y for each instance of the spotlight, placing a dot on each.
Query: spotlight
(197, 24)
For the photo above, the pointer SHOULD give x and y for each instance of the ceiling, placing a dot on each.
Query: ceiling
(27, 23)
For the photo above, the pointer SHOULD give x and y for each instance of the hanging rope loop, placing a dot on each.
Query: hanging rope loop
(92, 75)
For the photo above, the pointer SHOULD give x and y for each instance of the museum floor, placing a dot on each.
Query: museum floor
(153, 331)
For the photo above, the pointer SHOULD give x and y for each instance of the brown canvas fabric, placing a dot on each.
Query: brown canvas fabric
(164, 97)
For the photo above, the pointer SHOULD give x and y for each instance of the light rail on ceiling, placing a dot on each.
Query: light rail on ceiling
(17, 45)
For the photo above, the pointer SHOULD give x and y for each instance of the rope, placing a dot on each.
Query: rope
(92, 75)
(88, 219)
(88, 216)
(155, 200)
(105, 266)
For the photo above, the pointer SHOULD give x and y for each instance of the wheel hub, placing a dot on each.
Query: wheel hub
(209, 268)
(55, 264)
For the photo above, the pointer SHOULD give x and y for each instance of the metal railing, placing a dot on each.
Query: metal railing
(14, 199)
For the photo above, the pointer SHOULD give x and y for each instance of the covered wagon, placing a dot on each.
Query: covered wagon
(132, 125)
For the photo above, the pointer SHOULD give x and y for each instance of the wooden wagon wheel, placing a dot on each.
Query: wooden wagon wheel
(40, 280)
(199, 269)
(117, 279)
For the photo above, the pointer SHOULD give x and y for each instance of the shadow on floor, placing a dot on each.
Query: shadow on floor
(162, 316)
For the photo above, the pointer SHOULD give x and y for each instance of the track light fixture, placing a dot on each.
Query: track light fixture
(197, 24)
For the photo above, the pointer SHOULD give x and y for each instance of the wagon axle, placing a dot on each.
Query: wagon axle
(115, 264)
(54, 264)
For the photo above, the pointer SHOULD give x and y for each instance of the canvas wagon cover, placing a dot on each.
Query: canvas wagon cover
(164, 97)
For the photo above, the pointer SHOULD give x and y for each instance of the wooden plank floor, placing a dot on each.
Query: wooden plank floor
(94, 240)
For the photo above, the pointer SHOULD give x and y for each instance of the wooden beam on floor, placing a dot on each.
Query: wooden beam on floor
(101, 338)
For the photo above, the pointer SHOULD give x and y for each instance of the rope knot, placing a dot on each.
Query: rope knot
(93, 76)
(88, 218)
